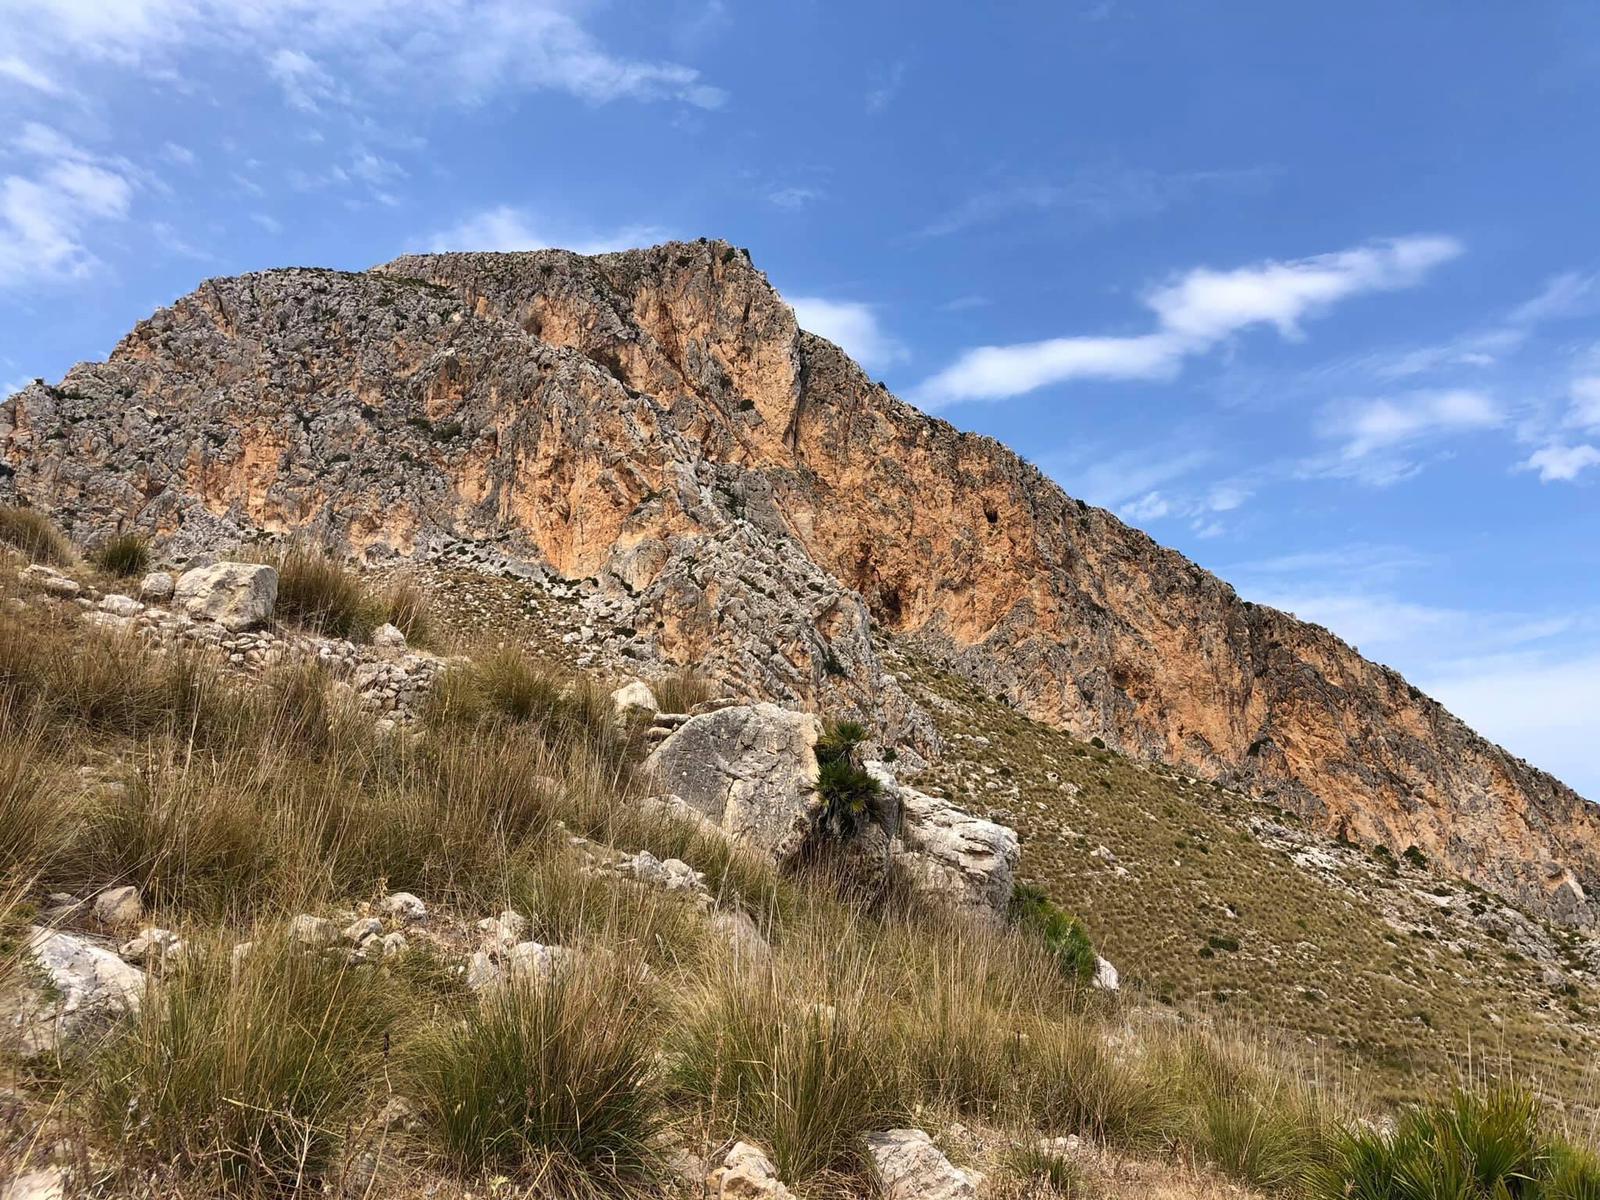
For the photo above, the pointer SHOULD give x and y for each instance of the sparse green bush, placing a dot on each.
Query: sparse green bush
(851, 798)
(324, 596)
(1033, 910)
(681, 691)
(34, 535)
(1477, 1144)
(1043, 1173)
(548, 1081)
(242, 1076)
(799, 1075)
(124, 555)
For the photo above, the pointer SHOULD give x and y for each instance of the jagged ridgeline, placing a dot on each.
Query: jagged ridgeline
(667, 764)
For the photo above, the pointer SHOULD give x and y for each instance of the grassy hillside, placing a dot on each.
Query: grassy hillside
(1210, 902)
(346, 1050)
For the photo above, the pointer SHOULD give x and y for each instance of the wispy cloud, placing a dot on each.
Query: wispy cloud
(852, 326)
(1193, 312)
(17, 71)
(509, 228)
(1098, 194)
(456, 50)
(1371, 426)
(1562, 463)
(793, 198)
(46, 213)
(889, 81)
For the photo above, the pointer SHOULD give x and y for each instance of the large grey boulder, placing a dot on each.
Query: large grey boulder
(88, 988)
(945, 851)
(750, 770)
(233, 594)
(911, 1167)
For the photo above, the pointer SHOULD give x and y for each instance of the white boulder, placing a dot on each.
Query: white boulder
(746, 1174)
(156, 587)
(235, 595)
(750, 770)
(634, 697)
(89, 988)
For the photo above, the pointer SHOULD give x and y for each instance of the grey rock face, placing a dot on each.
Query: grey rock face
(91, 987)
(950, 853)
(235, 595)
(911, 1167)
(750, 770)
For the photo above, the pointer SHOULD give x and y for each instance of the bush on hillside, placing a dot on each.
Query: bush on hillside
(242, 1075)
(124, 555)
(551, 1081)
(1033, 910)
(1486, 1143)
(324, 596)
(34, 535)
(851, 798)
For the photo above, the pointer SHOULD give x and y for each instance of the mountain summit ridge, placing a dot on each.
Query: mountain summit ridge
(656, 420)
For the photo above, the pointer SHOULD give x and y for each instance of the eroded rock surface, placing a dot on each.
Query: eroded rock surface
(656, 421)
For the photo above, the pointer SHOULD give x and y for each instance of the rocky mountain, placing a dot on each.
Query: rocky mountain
(655, 422)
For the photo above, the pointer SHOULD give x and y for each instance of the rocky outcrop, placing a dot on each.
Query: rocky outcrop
(751, 771)
(656, 421)
(948, 852)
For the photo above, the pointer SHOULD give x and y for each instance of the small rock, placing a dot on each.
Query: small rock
(404, 908)
(90, 986)
(748, 946)
(152, 947)
(394, 944)
(48, 1184)
(634, 699)
(388, 637)
(118, 906)
(120, 606)
(746, 1174)
(482, 971)
(1105, 975)
(156, 587)
(313, 931)
(362, 930)
(234, 595)
(51, 581)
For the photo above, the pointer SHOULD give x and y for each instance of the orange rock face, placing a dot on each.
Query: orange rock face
(655, 419)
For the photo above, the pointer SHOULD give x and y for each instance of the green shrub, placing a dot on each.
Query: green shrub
(1266, 1145)
(548, 1081)
(680, 692)
(1486, 1144)
(124, 555)
(242, 1076)
(1033, 910)
(851, 798)
(1073, 1082)
(34, 534)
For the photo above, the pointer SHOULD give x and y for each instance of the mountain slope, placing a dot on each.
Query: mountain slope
(656, 419)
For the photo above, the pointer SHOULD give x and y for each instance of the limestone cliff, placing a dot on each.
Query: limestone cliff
(655, 419)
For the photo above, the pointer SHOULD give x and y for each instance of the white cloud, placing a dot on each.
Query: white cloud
(44, 215)
(1540, 707)
(792, 198)
(507, 228)
(890, 80)
(1567, 295)
(14, 69)
(270, 223)
(181, 155)
(1193, 313)
(1562, 463)
(306, 85)
(1585, 410)
(1149, 507)
(463, 50)
(1369, 426)
(850, 325)
(1112, 480)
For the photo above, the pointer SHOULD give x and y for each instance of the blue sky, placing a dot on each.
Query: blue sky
(1311, 293)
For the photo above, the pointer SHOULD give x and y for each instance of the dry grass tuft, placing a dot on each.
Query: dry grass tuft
(34, 535)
